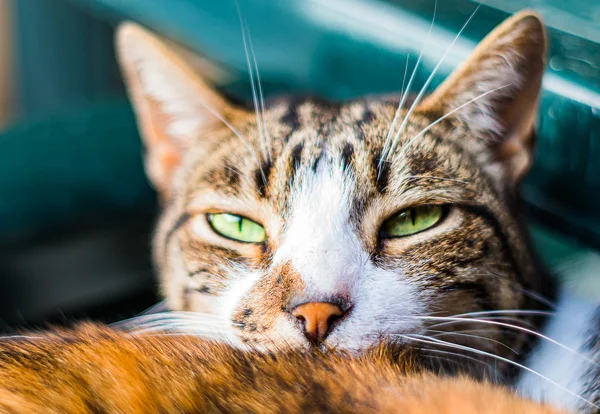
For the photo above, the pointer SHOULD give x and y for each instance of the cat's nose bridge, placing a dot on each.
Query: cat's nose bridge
(329, 263)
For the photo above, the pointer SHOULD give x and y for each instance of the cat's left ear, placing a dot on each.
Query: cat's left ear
(174, 106)
(498, 88)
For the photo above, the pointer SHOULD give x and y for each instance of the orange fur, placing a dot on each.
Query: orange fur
(93, 369)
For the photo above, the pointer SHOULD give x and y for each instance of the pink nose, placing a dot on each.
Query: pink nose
(317, 318)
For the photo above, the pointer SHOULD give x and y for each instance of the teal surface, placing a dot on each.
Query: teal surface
(69, 170)
(341, 49)
(64, 58)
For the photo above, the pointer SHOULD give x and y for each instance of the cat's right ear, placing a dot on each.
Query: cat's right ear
(496, 92)
(174, 106)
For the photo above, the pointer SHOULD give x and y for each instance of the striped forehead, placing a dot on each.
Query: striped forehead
(302, 134)
(305, 134)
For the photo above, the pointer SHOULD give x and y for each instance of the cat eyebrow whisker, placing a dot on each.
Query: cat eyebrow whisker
(428, 81)
(388, 140)
(403, 96)
(257, 94)
(233, 130)
(260, 97)
(452, 112)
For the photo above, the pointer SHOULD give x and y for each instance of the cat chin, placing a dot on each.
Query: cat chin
(354, 347)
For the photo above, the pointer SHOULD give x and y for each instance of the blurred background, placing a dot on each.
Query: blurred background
(76, 211)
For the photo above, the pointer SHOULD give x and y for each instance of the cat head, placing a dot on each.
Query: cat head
(341, 222)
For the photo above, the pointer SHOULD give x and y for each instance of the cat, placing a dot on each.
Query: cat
(307, 226)
(315, 223)
(97, 370)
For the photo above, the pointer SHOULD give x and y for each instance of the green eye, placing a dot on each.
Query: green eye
(412, 220)
(237, 228)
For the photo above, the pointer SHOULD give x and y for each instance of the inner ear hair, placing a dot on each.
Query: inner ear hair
(174, 106)
(497, 90)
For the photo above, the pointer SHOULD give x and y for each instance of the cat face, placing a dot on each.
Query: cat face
(343, 223)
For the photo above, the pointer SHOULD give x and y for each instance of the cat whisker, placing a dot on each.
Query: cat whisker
(456, 354)
(14, 337)
(156, 308)
(437, 358)
(180, 327)
(486, 331)
(445, 333)
(185, 330)
(177, 324)
(481, 332)
(207, 335)
(516, 321)
(404, 91)
(186, 326)
(388, 140)
(506, 312)
(462, 319)
(158, 332)
(189, 328)
(171, 320)
(434, 341)
(176, 314)
(510, 326)
(428, 82)
(539, 298)
(252, 66)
